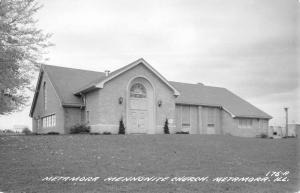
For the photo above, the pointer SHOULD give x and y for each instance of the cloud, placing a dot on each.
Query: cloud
(248, 47)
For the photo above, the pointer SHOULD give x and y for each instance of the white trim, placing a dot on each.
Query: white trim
(232, 115)
(49, 114)
(252, 117)
(36, 92)
(135, 63)
(199, 104)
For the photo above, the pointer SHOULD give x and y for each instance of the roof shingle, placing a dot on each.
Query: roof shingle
(199, 94)
(68, 80)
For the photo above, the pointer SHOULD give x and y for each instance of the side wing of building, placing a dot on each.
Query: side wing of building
(212, 110)
(47, 112)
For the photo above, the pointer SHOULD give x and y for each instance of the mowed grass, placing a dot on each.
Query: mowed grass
(26, 160)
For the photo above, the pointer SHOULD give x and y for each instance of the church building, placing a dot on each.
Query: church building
(143, 99)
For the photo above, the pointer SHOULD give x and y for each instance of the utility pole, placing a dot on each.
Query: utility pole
(286, 121)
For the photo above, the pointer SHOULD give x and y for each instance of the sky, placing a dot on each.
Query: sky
(246, 46)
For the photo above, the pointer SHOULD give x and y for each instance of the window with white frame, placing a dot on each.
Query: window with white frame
(245, 123)
(49, 121)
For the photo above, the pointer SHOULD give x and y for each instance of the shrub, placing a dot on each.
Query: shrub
(95, 133)
(182, 132)
(289, 137)
(80, 128)
(52, 133)
(121, 127)
(10, 131)
(26, 131)
(166, 127)
(35, 133)
(263, 135)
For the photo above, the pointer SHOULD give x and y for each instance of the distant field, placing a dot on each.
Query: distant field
(26, 160)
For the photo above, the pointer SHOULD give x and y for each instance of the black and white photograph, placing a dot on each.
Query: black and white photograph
(140, 96)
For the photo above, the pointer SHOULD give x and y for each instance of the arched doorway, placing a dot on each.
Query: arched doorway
(140, 108)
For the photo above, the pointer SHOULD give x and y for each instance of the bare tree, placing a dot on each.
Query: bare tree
(22, 46)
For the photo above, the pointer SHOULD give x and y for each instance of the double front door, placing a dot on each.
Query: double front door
(138, 115)
(138, 121)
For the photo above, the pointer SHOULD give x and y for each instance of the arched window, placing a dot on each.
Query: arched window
(138, 91)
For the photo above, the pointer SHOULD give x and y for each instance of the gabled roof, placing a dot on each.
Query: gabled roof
(65, 81)
(99, 83)
(36, 93)
(68, 82)
(199, 94)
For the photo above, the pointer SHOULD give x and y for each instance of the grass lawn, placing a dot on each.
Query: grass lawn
(26, 160)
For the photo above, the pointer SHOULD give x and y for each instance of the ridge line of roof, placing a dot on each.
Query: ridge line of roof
(94, 82)
(72, 68)
(121, 70)
(196, 84)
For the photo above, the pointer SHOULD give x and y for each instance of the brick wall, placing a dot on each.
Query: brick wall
(53, 107)
(106, 112)
(230, 126)
(72, 117)
(224, 123)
